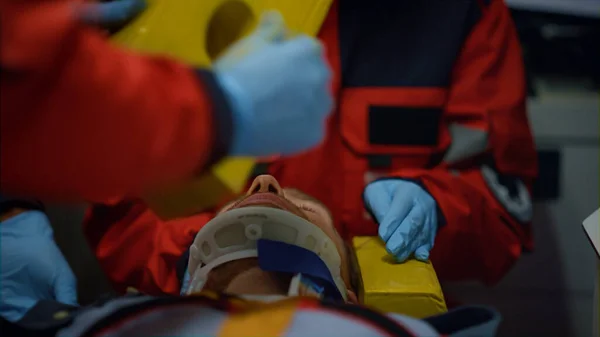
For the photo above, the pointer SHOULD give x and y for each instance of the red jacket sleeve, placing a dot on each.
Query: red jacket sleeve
(136, 248)
(83, 119)
(484, 197)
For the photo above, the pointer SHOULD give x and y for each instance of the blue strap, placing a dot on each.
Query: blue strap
(278, 257)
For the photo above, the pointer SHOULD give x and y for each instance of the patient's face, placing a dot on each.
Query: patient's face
(265, 191)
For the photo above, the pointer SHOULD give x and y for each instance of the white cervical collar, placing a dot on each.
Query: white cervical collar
(232, 235)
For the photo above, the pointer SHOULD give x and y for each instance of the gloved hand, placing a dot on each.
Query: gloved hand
(109, 14)
(32, 268)
(407, 217)
(278, 90)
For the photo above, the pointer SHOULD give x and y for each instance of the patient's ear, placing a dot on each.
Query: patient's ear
(352, 297)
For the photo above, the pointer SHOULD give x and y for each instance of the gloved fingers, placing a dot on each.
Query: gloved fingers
(429, 207)
(317, 99)
(327, 106)
(320, 70)
(378, 200)
(65, 287)
(324, 74)
(110, 13)
(402, 241)
(422, 253)
(272, 27)
(13, 308)
(401, 208)
(305, 45)
(27, 224)
(309, 139)
(321, 100)
(65, 283)
(432, 228)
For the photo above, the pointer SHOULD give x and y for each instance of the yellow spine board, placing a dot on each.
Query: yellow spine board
(196, 32)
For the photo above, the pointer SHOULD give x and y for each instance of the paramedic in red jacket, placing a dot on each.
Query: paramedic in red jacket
(431, 113)
(431, 119)
(432, 108)
(84, 119)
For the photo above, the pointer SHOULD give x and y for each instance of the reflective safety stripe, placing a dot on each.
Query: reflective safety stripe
(519, 205)
(260, 319)
(466, 142)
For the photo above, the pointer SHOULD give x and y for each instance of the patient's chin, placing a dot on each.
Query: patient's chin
(255, 281)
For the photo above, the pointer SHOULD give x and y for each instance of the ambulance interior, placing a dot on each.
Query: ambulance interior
(551, 290)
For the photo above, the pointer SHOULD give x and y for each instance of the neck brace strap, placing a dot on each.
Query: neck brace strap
(234, 235)
(311, 274)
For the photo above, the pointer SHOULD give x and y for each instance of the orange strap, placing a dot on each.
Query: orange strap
(260, 319)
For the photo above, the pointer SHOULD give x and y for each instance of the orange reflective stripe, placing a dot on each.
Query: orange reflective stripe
(260, 319)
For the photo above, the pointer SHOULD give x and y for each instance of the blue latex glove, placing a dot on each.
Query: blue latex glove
(278, 90)
(32, 267)
(407, 217)
(109, 14)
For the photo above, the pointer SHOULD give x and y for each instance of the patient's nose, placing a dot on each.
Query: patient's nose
(265, 184)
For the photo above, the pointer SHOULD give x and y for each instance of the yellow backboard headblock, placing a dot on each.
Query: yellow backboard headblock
(410, 288)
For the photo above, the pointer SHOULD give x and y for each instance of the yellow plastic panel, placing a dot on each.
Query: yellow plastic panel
(411, 288)
(197, 32)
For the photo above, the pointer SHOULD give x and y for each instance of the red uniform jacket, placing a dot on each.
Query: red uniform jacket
(82, 119)
(428, 91)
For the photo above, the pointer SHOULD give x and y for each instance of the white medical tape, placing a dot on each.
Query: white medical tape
(519, 206)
